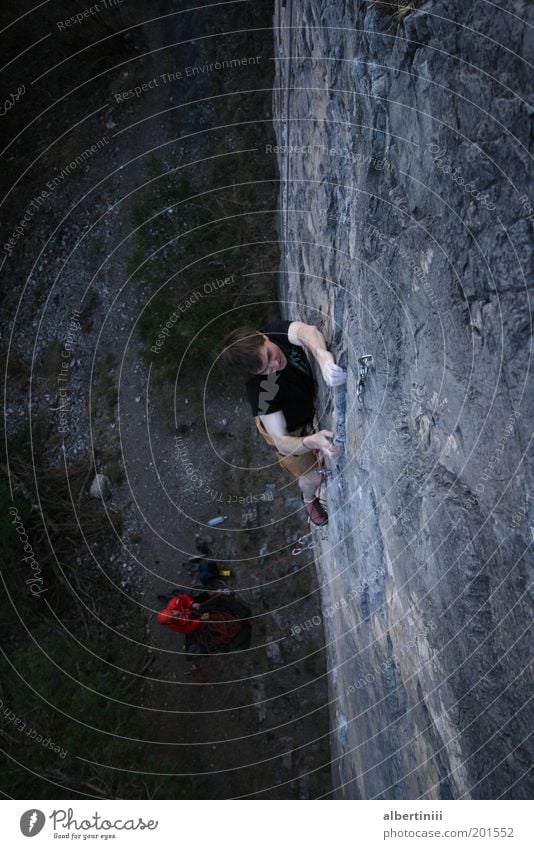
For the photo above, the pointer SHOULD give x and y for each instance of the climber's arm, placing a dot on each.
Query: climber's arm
(276, 426)
(311, 337)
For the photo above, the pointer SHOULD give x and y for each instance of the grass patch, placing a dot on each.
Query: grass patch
(185, 249)
(103, 389)
(80, 724)
(397, 8)
(75, 650)
(50, 366)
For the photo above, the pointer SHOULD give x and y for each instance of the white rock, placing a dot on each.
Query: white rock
(101, 487)
(273, 652)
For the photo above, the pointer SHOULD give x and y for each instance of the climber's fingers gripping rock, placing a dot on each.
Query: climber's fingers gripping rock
(323, 441)
(333, 375)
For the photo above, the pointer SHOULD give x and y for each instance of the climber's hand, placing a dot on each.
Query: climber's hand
(333, 375)
(323, 441)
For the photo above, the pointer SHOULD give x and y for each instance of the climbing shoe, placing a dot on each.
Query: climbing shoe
(316, 511)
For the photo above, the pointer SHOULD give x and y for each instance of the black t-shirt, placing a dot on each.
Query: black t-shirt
(290, 390)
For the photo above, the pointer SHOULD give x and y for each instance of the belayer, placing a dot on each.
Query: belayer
(211, 622)
(182, 614)
(281, 389)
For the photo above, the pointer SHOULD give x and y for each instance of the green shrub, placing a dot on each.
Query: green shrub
(175, 255)
(87, 729)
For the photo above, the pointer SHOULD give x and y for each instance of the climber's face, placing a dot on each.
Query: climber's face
(272, 357)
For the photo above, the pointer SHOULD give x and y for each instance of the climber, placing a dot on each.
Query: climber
(280, 389)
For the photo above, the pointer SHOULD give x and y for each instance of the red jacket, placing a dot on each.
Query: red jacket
(182, 620)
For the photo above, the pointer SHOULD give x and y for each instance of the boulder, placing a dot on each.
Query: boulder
(101, 487)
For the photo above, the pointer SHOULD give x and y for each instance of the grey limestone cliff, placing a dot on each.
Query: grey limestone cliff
(406, 227)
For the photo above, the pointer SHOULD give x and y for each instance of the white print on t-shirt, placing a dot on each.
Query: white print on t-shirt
(268, 391)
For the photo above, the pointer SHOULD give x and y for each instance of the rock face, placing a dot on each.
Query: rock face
(403, 155)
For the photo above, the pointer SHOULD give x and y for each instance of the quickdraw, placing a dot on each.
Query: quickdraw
(325, 475)
(300, 547)
(364, 364)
